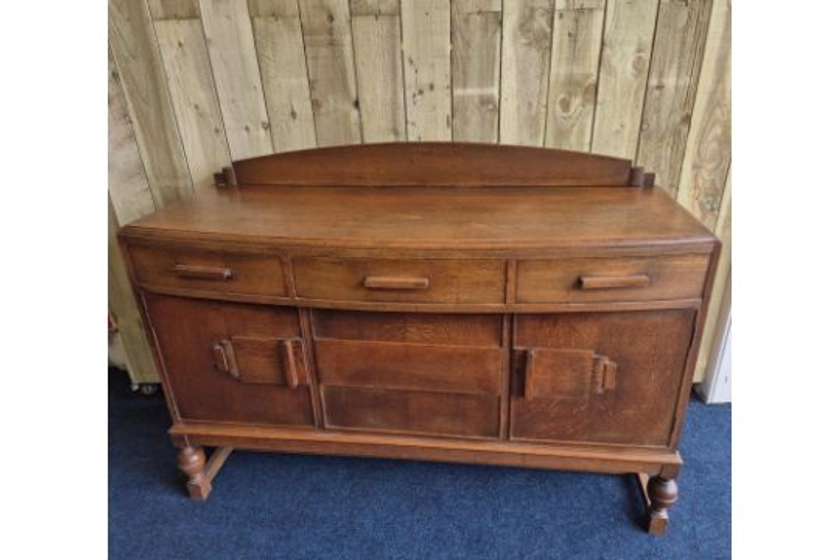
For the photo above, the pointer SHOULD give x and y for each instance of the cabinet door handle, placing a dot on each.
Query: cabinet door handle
(203, 272)
(588, 282)
(292, 374)
(605, 374)
(225, 358)
(396, 282)
(528, 391)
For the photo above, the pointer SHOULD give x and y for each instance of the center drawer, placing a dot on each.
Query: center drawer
(423, 374)
(384, 280)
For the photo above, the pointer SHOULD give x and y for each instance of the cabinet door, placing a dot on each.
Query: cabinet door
(598, 377)
(232, 362)
(410, 373)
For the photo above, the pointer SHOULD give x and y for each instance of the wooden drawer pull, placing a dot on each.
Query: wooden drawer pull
(530, 356)
(225, 358)
(605, 372)
(292, 374)
(395, 283)
(202, 272)
(614, 282)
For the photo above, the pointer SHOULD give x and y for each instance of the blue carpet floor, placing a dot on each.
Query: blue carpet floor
(288, 506)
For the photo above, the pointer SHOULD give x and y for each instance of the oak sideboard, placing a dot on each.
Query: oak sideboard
(432, 301)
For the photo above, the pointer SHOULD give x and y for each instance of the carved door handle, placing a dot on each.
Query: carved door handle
(291, 369)
(251, 367)
(530, 357)
(225, 358)
(566, 373)
(605, 374)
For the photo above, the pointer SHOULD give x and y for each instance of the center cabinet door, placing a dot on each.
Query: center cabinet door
(233, 362)
(410, 373)
(608, 377)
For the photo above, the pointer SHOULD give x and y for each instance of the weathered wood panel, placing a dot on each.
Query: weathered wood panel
(129, 198)
(526, 49)
(127, 184)
(193, 96)
(622, 78)
(576, 51)
(174, 9)
(135, 53)
(709, 144)
(273, 8)
(279, 42)
(230, 43)
(476, 70)
(332, 78)
(672, 84)
(376, 41)
(426, 63)
(723, 229)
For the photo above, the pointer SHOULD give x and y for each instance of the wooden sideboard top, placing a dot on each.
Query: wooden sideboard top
(432, 196)
(429, 217)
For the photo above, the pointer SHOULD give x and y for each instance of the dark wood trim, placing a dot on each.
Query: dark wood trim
(490, 452)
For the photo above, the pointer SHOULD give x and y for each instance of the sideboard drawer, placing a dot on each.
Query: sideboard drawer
(411, 412)
(429, 281)
(213, 271)
(410, 367)
(418, 373)
(584, 280)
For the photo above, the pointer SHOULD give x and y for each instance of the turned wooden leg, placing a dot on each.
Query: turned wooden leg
(200, 472)
(191, 461)
(660, 494)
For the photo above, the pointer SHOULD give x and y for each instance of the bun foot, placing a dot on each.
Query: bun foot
(660, 494)
(191, 461)
(200, 472)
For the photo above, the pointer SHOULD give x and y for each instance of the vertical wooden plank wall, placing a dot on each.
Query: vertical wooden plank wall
(379, 70)
(476, 67)
(575, 57)
(198, 82)
(328, 43)
(526, 47)
(427, 68)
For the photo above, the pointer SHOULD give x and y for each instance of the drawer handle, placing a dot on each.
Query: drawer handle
(614, 282)
(225, 358)
(202, 272)
(604, 370)
(396, 283)
(605, 374)
(530, 356)
(224, 355)
(292, 375)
